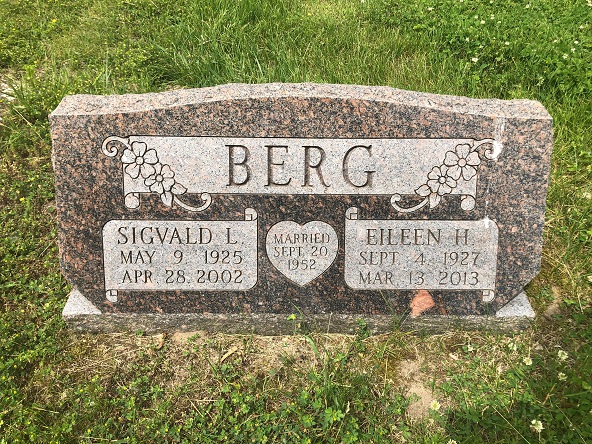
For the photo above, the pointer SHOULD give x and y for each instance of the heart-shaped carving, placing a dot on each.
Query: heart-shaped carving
(301, 252)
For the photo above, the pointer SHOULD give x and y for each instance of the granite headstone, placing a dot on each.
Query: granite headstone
(231, 208)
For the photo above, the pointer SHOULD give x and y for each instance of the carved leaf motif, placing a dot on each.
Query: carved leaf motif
(468, 172)
(151, 157)
(473, 159)
(462, 150)
(167, 198)
(451, 158)
(423, 190)
(128, 156)
(133, 170)
(177, 188)
(434, 200)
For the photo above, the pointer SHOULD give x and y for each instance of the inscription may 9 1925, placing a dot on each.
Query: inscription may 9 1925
(338, 200)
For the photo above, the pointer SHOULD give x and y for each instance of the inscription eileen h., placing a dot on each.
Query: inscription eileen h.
(174, 166)
(180, 255)
(420, 254)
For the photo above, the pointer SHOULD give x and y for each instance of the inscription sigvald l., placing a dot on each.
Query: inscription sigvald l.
(301, 252)
(175, 166)
(180, 255)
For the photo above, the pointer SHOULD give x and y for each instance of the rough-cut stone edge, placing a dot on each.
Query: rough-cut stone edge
(517, 307)
(82, 316)
(85, 104)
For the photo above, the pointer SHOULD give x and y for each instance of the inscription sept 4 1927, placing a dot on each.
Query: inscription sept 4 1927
(421, 254)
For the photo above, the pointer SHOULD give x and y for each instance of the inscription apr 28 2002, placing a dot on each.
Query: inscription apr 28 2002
(267, 200)
(180, 255)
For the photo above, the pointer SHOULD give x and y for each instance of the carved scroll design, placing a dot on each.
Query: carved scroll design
(459, 164)
(142, 163)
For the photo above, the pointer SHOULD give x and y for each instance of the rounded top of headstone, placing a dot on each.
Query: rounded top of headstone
(86, 104)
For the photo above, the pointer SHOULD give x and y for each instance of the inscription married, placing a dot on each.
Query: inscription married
(301, 252)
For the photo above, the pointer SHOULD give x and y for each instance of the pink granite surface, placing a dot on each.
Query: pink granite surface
(511, 190)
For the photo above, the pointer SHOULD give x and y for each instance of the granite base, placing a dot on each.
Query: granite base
(82, 316)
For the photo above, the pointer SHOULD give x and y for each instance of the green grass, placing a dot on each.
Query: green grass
(59, 387)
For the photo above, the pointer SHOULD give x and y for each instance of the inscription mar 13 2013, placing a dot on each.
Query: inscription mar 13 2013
(421, 254)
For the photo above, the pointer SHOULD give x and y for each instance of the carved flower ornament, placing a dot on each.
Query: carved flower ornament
(462, 161)
(460, 164)
(159, 178)
(163, 183)
(439, 183)
(141, 163)
(139, 160)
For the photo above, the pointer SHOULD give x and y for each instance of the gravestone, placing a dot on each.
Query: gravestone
(232, 208)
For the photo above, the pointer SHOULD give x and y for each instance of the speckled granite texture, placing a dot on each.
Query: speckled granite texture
(511, 191)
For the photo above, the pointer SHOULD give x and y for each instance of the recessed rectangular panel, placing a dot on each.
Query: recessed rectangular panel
(180, 255)
(272, 165)
(420, 254)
